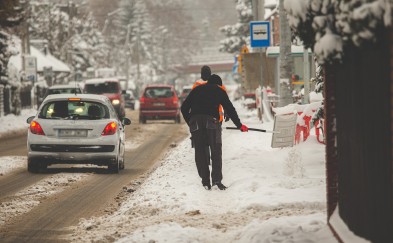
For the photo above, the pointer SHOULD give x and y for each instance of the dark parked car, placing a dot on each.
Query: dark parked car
(184, 93)
(159, 102)
(129, 99)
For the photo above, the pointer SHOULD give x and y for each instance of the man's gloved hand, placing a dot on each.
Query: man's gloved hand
(227, 118)
(244, 128)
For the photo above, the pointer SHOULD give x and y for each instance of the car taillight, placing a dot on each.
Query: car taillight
(142, 100)
(36, 128)
(110, 129)
(175, 100)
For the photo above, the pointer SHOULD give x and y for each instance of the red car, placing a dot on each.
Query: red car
(110, 87)
(159, 102)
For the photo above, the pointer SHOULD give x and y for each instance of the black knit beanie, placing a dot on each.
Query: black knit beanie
(214, 79)
(205, 72)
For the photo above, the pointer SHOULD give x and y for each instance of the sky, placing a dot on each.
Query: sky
(273, 195)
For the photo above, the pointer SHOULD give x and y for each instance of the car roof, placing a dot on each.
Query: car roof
(64, 86)
(100, 80)
(90, 97)
(187, 87)
(159, 85)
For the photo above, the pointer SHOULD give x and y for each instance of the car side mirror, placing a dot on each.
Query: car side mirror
(30, 119)
(126, 121)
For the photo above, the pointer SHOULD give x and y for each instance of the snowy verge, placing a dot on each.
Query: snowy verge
(28, 198)
(12, 125)
(11, 163)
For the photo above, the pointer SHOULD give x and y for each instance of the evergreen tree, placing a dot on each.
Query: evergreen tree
(48, 23)
(319, 83)
(175, 38)
(11, 16)
(133, 21)
(327, 26)
(76, 40)
(86, 46)
(11, 13)
(238, 34)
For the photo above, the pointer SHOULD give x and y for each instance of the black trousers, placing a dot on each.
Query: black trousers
(206, 134)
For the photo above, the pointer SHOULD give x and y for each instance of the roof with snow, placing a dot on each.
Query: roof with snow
(43, 61)
(273, 51)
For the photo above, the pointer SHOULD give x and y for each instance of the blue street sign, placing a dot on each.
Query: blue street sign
(235, 65)
(260, 33)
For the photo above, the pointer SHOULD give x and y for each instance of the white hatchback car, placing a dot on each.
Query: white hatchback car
(76, 129)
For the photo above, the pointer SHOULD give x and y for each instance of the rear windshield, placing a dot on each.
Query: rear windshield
(65, 91)
(77, 110)
(158, 92)
(101, 88)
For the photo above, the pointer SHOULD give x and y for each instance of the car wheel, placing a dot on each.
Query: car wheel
(34, 166)
(142, 120)
(121, 162)
(115, 167)
(177, 119)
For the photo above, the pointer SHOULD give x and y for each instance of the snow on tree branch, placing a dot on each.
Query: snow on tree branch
(327, 26)
(237, 35)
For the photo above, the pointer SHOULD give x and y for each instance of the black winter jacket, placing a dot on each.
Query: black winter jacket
(205, 99)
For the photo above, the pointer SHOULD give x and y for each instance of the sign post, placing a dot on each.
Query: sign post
(31, 68)
(260, 38)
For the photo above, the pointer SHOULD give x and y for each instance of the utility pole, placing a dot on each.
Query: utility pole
(137, 51)
(26, 49)
(306, 76)
(258, 12)
(128, 55)
(258, 9)
(286, 60)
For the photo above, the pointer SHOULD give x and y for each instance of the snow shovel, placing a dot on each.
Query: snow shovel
(253, 129)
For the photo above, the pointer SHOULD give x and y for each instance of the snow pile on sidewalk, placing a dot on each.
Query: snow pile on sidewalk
(11, 124)
(274, 195)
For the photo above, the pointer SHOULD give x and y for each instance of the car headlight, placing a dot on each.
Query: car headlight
(115, 102)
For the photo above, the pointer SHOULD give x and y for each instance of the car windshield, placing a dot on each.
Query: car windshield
(129, 95)
(64, 91)
(101, 88)
(76, 110)
(158, 92)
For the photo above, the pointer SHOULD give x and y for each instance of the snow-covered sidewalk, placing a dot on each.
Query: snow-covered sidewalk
(274, 195)
(12, 124)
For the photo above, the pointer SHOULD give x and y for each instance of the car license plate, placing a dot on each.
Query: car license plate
(159, 104)
(72, 133)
